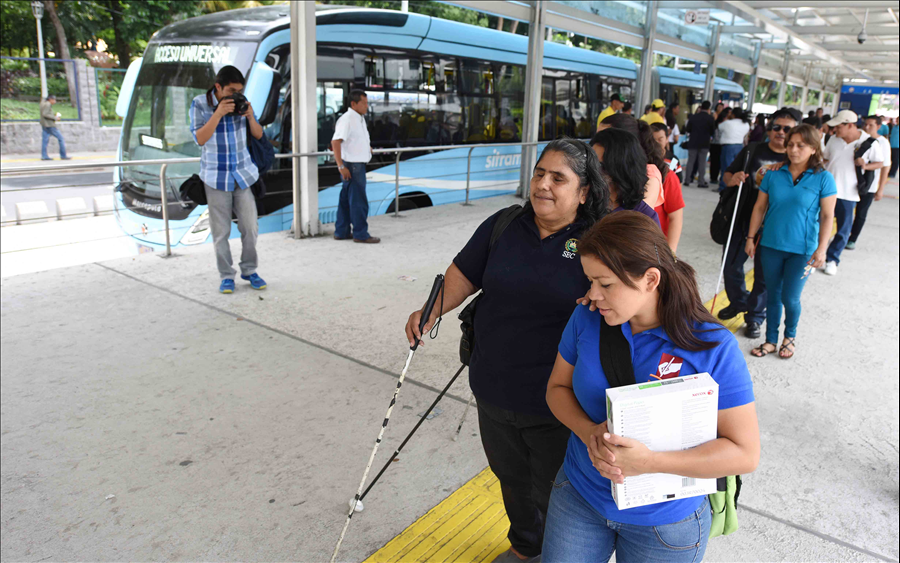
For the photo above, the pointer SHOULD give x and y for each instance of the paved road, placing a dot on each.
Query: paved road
(34, 188)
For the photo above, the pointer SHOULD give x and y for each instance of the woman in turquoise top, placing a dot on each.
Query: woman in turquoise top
(797, 202)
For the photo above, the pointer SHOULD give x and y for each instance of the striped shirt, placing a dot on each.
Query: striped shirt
(224, 159)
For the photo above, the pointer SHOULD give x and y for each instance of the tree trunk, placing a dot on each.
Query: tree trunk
(500, 24)
(122, 49)
(63, 45)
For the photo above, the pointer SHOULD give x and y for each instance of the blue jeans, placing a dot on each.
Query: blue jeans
(754, 301)
(46, 133)
(786, 274)
(843, 212)
(729, 152)
(353, 205)
(576, 532)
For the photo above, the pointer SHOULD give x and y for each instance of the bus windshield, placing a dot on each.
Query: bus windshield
(158, 125)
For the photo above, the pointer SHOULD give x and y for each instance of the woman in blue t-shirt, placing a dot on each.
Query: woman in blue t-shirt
(638, 284)
(797, 202)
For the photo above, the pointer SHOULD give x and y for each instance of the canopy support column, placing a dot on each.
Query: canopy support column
(645, 78)
(534, 72)
(305, 171)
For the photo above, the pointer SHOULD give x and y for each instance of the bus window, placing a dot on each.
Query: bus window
(565, 123)
(401, 73)
(477, 78)
(547, 128)
(448, 79)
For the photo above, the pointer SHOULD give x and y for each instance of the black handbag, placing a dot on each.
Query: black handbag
(193, 189)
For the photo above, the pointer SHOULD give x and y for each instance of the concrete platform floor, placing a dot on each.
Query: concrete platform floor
(237, 427)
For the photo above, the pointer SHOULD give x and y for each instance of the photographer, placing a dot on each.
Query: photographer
(219, 122)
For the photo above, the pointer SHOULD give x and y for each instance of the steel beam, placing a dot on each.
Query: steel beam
(646, 72)
(304, 135)
(709, 85)
(534, 72)
(872, 30)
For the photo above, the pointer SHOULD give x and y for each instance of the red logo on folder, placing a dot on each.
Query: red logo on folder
(669, 366)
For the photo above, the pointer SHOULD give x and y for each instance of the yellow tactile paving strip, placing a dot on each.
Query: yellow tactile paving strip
(470, 525)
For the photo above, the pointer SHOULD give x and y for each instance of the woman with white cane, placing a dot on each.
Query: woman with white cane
(530, 276)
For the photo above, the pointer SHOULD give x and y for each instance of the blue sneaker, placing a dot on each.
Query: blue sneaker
(227, 286)
(256, 282)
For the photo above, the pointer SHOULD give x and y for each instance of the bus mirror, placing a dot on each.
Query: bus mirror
(258, 87)
(128, 87)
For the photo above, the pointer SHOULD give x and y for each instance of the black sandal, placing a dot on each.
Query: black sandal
(793, 346)
(761, 351)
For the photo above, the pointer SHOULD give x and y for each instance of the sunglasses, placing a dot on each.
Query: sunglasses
(780, 127)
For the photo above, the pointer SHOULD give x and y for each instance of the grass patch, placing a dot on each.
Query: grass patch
(22, 110)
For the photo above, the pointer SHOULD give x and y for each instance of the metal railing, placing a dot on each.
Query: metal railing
(165, 163)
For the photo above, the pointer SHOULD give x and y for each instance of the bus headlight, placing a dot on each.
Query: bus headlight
(199, 232)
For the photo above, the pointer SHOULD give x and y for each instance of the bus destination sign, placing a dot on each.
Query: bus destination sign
(203, 54)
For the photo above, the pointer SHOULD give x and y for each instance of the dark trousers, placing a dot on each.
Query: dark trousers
(524, 452)
(715, 162)
(353, 204)
(754, 301)
(862, 210)
(895, 161)
(843, 213)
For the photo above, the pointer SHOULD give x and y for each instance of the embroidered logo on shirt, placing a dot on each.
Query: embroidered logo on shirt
(571, 249)
(669, 366)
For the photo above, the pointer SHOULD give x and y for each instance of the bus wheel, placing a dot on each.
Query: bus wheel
(405, 205)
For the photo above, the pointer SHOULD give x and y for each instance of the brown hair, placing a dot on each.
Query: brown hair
(630, 243)
(810, 137)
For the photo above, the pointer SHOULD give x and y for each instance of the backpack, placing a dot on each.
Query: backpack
(724, 212)
(467, 315)
(615, 358)
(864, 178)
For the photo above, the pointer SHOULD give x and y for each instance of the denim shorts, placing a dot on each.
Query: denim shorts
(576, 532)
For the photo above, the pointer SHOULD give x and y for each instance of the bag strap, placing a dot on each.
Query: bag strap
(615, 355)
(863, 148)
(506, 217)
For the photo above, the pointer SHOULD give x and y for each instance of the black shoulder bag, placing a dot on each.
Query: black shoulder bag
(467, 315)
(721, 219)
(864, 178)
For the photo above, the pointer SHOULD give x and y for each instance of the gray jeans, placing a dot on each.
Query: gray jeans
(221, 204)
(698, 157)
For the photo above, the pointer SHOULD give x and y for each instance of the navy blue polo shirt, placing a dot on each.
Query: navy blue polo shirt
(530, 287)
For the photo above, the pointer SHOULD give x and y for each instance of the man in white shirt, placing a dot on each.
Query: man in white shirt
(876, 190)
(842, 162)
(352, 150)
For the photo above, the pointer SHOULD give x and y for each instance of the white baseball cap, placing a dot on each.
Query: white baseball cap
(843, 116)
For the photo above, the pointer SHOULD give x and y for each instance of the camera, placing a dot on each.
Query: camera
(240, 103)
(861, 38)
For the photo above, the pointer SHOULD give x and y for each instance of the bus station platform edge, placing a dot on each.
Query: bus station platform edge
(147, 417)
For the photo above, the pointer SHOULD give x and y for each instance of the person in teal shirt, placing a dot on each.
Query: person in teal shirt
(797, 203)
(895, 149)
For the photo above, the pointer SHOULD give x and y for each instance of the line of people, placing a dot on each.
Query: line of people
(586, 250)
(795, 185)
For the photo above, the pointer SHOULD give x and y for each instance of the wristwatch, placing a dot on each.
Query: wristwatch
(341, 167)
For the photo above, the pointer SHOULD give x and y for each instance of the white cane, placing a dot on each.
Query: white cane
(737, 204)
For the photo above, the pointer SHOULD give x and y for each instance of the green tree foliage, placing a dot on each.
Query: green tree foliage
(86, 21)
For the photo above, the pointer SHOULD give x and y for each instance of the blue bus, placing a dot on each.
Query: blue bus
(429, 82)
